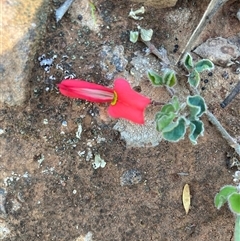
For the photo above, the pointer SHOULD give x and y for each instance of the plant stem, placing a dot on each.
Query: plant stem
(237, 229)
(161, 55)
(212, 8)
(231, 141)
(231, 96)
(212, 118)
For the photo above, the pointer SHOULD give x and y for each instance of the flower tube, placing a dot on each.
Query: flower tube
(124, 101)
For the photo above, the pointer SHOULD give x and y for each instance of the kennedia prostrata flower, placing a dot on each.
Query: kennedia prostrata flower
(124, 101)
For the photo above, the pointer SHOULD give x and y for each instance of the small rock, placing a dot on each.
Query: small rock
(79, 131)
(130, 177)
(3, 195)
(19, 43)
(238, 15)
(74, 191)
(4, 230)
(225, 75)
(112, 60)
(219, 50)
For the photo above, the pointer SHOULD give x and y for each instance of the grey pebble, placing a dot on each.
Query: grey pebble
(130, 177)
(3, 195)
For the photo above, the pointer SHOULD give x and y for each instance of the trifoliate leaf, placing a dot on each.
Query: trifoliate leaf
(188, 61)
(146, 34)
(169, 78)
(196, 129)
(196, 105)
(164, 121)
(222, 197)
(155, 78)
(134, 36)
(186, 198)
(194, 78)
(204, 64)
(175, 131)
(234, 203)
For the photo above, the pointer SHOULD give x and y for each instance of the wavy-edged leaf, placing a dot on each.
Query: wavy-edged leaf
(188, 61)
(155, 78)
(196, 129)
(164, 121)
(204, 64)
(234, 203)
(175, 103)
(166, 109)
(194, 78)
(134, 36)
(146, 34)
(196, 105)
(173, 107)
(222, 197)
(175, 131)
(169, 78)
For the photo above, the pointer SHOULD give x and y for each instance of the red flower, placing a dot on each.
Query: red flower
(125, 102)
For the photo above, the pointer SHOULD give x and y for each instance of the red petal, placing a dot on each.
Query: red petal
(84, 90)
(130, 104)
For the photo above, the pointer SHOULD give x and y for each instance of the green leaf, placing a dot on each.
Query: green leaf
(196, 129)
(194, 78)
(175, 103)
(204, 64)
(146, 34)
(169, 78)
(234, 203)
(134, 36)
(93, 10)
(164, 121)
(166, 109)
(155, 78)
(196, 105)
(173, 106)
(188, 61)
(175, 131)
(167, 114)
(222, 197)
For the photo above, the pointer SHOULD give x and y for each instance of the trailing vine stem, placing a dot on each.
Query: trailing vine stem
(231, 141)
(213, 119)
(162, 56)
(237, 228)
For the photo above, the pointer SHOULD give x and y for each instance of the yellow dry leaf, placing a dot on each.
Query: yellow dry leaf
(186, 198)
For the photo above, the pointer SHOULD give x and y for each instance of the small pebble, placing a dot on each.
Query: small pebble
(210, 74)
(225, 75)
(205, 81)
(64, 123)
(130, 177)
(45, 121)
(74, 191)
(3, 195)
(176, 46)
(238, 14)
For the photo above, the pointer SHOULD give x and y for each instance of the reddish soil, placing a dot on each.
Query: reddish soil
(53, 193)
